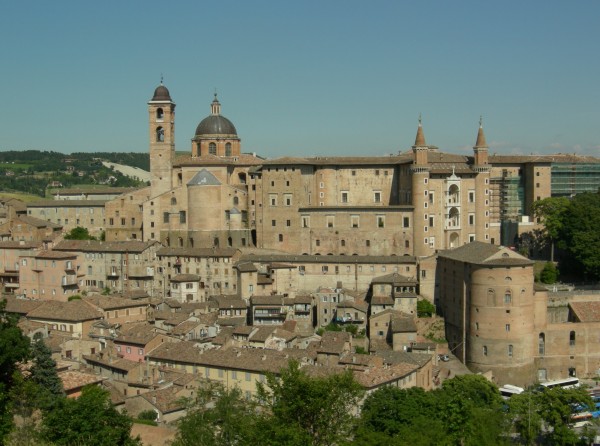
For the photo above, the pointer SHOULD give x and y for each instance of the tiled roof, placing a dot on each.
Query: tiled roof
(382, 300)
(186, 278)
(341, 160)
(333, 342)
(394, 279)
(275, 300)
(360, 305)
(264, 333)
(112, 362)
(74, 379)
(297, 258)
(403, 325)
(196, 252)
(239, 160)
(586, 311)
(93, 191)
(556, 158)
(37, 222)
(132, 246)
(229, 302)
(55, 255)
(13, 244)
(66, 203)
(165, 400)
(20, 306)
(113, 303)
(246, 267)
(481, 253)
(73, 311)
(139, 333)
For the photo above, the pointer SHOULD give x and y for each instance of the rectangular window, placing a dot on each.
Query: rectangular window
(381, 221)
(471, 196)
(182, 217)
(324, 269)
(330, 221)
(507, 327)
(406, 222)
(344, 197)
(377, 197)
(305, 221)
(273, 199)
(165, 217)
(354, 221)
(471, 219)
(273, 222)
(431, 221)
(287, 199)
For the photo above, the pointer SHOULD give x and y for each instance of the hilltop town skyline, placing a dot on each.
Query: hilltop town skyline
(305, 78)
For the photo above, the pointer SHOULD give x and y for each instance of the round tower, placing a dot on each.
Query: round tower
(420, 183)
(500, 319)
(482, 187)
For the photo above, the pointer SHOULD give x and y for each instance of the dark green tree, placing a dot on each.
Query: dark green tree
(90, 419)
(217, 417)
(14, 348)
(550, 212)
(425, 308)
(549, 274)
(580, 234)
(307, 410)
(79, 233)
(43, 373)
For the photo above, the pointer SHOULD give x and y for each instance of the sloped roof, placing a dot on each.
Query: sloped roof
(204, 178)
(132, 246)
(394, 279)
(586, 311)
(73, 311)
(486, 254)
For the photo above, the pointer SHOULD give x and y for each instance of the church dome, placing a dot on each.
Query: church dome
(161, 93)
(215, 124)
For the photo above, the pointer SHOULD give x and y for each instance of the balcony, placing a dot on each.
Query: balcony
(68, 281)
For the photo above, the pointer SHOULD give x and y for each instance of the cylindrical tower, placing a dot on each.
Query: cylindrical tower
(420, 184)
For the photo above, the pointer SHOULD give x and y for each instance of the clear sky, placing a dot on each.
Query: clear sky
(328, 77)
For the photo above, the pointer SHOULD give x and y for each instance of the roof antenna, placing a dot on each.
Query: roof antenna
(161, 78)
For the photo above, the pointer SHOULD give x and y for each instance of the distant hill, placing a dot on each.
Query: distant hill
(32, 171)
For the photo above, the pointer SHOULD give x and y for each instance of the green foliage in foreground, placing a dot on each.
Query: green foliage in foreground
(90, 419)
(79, 233)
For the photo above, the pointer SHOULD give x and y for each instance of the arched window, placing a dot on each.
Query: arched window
(228, 149)
(173, 200)
(180, 240)
(236, 200)
(216, 242)
(491, 298)
(507, 297)
(485, 350)
(542, 344)
(510, 350)
(453, 194)
(229, 242)
(159, 114)
(191, 242)
(160, 134)
(454, 218)
(168, 241)
(572, 338)
(212, 148)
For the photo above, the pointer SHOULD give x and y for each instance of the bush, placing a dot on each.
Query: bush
(549, 274)
(425, 308)
(74, 297)
(361, 351)
(147, 415)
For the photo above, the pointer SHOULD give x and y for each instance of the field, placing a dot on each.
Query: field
(10, 166)
(19, 196)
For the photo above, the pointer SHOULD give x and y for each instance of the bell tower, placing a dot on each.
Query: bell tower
(161, 124)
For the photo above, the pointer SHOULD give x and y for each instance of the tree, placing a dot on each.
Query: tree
(217, 417)
(533, 409)
(550, 211)
(425, 308)
(579, 232)
(307, 410)
(90, 419)
(549, 274)
(79, 233)
(14, 348)
(43, 373)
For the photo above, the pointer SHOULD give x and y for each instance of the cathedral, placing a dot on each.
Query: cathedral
(413, 203)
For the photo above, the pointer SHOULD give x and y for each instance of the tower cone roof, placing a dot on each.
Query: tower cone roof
(420, 138)
(480, 143)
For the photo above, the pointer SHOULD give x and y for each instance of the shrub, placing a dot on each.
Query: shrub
(549, 274)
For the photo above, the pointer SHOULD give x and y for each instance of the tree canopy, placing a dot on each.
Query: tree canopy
(79, 233)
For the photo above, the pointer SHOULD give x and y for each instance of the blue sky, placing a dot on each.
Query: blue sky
(304, 77)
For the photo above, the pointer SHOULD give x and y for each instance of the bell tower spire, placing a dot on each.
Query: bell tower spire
(161, 125)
